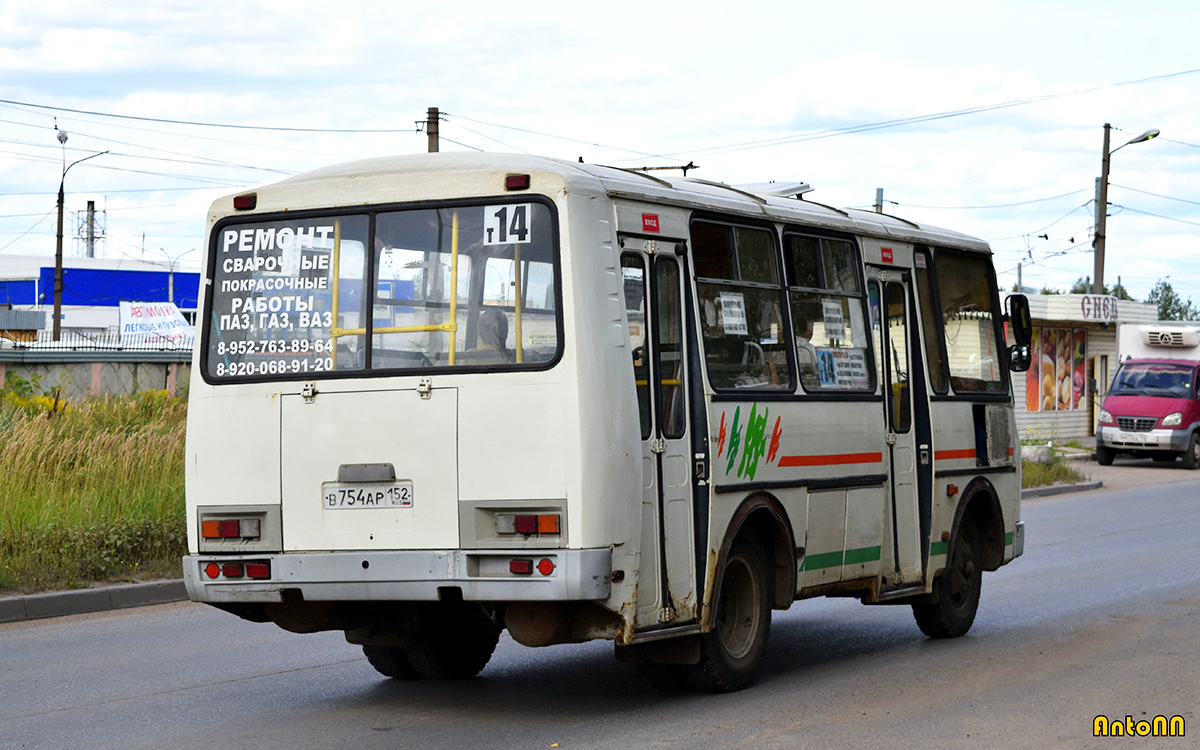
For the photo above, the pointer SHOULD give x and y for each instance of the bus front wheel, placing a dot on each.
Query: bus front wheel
(731, 652)
(951, 611)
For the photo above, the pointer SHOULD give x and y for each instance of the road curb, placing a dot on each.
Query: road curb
(81, 601)
(1059, 489)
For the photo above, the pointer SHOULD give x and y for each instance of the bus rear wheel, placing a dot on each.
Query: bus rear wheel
(730, 653)
(951, 611)
(455, 642)
(390, 661)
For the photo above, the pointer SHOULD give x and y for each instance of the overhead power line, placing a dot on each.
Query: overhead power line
(1156, 195)
(998, 205)
(274, 128)
(832, 132)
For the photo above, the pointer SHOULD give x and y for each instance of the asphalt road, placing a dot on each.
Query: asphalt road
(1101, 616)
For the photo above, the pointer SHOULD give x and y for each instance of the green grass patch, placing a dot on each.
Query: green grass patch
(1054, 471)
(91, 492)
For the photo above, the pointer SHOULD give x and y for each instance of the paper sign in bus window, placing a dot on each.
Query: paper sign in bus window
(507, 225)
(835, 321)
(842, 368)
(733, 314)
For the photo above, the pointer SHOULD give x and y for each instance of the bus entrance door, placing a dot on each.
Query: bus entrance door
(895, 341)
(666, 572)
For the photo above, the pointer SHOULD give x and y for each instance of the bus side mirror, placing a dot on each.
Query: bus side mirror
(1021, 324)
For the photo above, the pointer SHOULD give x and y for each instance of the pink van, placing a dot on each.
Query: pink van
(1151, 409)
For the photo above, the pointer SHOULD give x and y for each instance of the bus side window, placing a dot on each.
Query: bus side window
(826, 303)
(633, 275)
(741, 307)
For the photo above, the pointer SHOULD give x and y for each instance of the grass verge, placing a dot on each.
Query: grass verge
(1054, 471)
(90, 492)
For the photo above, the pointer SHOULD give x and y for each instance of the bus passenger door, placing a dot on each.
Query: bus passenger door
(896, 346)
(654, 305)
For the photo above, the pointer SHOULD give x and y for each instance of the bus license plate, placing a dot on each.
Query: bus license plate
(348, 496)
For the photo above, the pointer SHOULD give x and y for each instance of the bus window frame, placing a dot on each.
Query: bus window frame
(797, 230)
(1004, 394)
(938, 333)
(371, 211)
(694, 280)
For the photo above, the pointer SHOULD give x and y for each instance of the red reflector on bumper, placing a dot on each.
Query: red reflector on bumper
(212, 570)
(545, 566)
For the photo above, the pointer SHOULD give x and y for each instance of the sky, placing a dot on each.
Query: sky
(984, 118)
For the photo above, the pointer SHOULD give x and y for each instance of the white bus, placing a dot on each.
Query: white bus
(436, 397)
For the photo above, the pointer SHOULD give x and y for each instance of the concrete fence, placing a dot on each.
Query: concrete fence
(82, 374)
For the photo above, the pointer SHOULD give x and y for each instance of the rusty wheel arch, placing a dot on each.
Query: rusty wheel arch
(982, 503)
(762, 515)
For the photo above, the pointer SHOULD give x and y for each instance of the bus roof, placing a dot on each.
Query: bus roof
(687, 192)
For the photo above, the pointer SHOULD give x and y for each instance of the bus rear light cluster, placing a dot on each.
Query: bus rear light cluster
(231, 528)
(256, 570)
(525, 566)
(527, 524)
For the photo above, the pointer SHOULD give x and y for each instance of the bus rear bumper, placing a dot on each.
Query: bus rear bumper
(409, 575)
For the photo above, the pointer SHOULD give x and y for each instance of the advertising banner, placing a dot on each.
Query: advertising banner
(148, 322)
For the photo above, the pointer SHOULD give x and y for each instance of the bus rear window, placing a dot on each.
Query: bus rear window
(470, 287)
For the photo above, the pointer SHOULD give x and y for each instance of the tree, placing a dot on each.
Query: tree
(1083, 285)
(1170, 305)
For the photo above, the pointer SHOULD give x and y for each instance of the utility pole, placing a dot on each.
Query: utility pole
(91, 229)
(58, 259)
(58, 255)
(1101, 216)
(1020, 286)
(878, 200)
(1102, 201)
(431, 128)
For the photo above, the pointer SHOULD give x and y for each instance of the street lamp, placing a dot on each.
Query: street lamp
(1102, 204)
(58, 257)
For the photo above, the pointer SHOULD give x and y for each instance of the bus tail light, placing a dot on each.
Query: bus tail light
(528, 524)
(516, 182)
(230, 528)
(520, 567)
(258, 570)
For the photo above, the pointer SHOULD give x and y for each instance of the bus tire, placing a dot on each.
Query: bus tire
(951, 611)
(390, 661)
(1105, 455)
(456, 644)
(731, 652)
(1191, 456)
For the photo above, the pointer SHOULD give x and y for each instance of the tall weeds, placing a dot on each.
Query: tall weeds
(91, 491)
